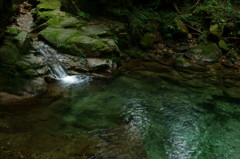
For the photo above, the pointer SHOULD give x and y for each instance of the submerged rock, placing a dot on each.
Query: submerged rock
(204, 53)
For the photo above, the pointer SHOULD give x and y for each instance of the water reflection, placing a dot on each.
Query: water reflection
(131, 117)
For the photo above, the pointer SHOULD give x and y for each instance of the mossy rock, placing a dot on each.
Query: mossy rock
(216, 30)
(204, 53)
(58, 36)
(72, 22)
(88, 43)
(78, 43)
(223, 45)
(12, 31)
(181, 62)
(148, 40)
(46, 5)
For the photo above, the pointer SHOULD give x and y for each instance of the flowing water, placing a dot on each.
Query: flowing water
(132, 116)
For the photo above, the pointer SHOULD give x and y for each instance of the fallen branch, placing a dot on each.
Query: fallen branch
(176, 8)
(198, 1)
(194, 28)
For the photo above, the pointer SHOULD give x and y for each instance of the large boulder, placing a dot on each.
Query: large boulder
(80, 43)
(204, 53)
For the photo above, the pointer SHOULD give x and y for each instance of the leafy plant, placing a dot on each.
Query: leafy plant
(82, 14)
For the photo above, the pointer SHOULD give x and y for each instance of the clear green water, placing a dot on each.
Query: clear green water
(174, 121)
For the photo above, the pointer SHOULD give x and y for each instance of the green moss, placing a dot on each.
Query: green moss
(88, 43)
(148, 40)
(180, 60)
(8, 55)
(12, 31)
(57, 36)
(223, 45)
(49, 5)
(181, 26)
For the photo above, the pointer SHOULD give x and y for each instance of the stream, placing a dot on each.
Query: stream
(135, 115)
(126, 117)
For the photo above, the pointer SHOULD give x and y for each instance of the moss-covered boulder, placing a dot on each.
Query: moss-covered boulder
(223, 45)
(148, 40)
(216, 30)
(204, 53)
(48, 5)
(79, 43)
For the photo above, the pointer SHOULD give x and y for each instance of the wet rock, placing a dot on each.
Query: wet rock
(36, 86)
(100, 64)
(73, 63)
(30, 61)
(118, 148)
(6, 98)
(204, 53)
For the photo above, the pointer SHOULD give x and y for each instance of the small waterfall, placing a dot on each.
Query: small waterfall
(25, 24)
(51, 59)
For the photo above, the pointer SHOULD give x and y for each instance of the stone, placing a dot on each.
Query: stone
(24, 42)
(36, 86)
(148, 40)
(88, 43)
(96, 30)
(46, 5)
(204, 53)
(100, 64)
(216, 30)
(30, 61)
(57, 36)
(223, 45)
(181, 62)
(71, 22)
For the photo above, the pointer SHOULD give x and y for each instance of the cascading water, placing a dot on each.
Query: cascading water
(25, 24)
(51, 57)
